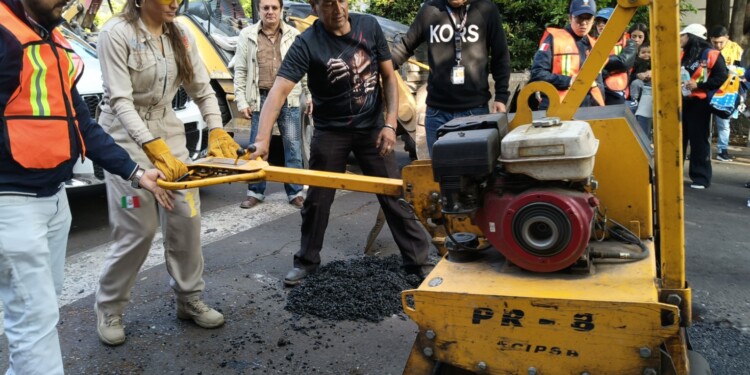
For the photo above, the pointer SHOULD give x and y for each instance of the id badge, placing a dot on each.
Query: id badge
(457, 77)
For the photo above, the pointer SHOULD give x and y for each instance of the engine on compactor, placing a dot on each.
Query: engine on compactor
(529, 190)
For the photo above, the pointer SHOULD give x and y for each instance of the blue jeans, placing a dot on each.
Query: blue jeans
(33, 237)
(291, 136)
(435, 118)
(722, 130)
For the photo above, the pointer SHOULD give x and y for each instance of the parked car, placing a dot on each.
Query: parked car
(87, 173)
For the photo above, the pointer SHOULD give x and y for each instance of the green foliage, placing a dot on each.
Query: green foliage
(402, 11)
(358, 5)
(104, 13)
(524, 21)
(247, 6)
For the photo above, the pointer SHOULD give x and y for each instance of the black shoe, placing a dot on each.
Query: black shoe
(419, 271)
(250, 202)
(724, 156)
(747, 185)
(296, 275)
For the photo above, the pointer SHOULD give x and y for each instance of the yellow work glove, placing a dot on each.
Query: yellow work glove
(160, 155)
(221, 144)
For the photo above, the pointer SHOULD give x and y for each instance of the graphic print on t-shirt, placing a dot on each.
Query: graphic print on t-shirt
(353, 71)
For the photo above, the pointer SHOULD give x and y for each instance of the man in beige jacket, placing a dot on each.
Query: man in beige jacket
(260, 50)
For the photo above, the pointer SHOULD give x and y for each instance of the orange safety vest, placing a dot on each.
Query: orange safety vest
(39, 118)
(618, 81)
(704, 70)
(566, 59)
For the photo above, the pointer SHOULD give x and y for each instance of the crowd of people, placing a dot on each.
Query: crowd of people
(345, 69)
(708, 60)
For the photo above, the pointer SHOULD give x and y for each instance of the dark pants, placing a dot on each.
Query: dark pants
(328, 152)
(696, 130)
(613, 97)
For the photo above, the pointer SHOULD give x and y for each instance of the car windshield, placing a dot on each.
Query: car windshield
(81, 48)
(86, 53)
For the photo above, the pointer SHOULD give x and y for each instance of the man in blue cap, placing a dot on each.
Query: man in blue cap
(621, 60)
(562, 53)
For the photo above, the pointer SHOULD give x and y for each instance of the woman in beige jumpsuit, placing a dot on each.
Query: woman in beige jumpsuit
(145, 57)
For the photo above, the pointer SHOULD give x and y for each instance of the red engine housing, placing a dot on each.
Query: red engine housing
(541, 230)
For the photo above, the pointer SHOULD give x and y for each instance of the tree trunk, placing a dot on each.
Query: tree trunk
(737, 28)
(717, 13)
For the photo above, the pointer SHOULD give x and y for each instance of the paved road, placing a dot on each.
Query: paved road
(248, 252)
(717, 243)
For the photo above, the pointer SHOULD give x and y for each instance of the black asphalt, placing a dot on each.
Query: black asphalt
(244, 273)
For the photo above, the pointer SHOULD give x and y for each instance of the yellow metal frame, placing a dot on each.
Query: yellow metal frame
(514, 320)
(490, 317)
(213, 171)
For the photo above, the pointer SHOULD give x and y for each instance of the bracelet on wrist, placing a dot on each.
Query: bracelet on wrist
(135, 179)
(390, 127)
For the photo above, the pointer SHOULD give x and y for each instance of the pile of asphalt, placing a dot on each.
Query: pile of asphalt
(357, 289)
(725, 347)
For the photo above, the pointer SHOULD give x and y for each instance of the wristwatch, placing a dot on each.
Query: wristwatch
(135, 179)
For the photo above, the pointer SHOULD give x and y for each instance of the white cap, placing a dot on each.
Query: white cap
(695, 29)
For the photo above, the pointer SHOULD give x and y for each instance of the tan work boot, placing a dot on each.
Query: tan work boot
(199, 313)
(109, 327)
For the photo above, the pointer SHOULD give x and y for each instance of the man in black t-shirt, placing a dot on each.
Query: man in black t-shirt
(344, 57)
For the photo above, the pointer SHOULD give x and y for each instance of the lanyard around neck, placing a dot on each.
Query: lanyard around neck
(458, 29)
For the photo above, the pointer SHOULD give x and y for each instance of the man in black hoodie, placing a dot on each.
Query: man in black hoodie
(46, 126)
(464, 39)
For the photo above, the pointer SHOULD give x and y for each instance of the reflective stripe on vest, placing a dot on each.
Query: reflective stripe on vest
(39, 118)
(618, 81)
(704, 70)
(566, 59)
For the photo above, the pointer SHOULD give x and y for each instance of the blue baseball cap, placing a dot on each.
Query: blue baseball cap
(579, 7)
(605, 13)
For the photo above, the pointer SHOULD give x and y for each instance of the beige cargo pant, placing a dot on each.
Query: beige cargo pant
(134, 216)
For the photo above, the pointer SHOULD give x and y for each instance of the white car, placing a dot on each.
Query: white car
(90, 87)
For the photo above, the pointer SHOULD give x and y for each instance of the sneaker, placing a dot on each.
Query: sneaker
(724, 156)
(697, 186)
(250, 202)
(197, 311)
(109, 327)
(296, 274)
(298, 202)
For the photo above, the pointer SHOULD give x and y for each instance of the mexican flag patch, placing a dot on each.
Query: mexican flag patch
(130, 201)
